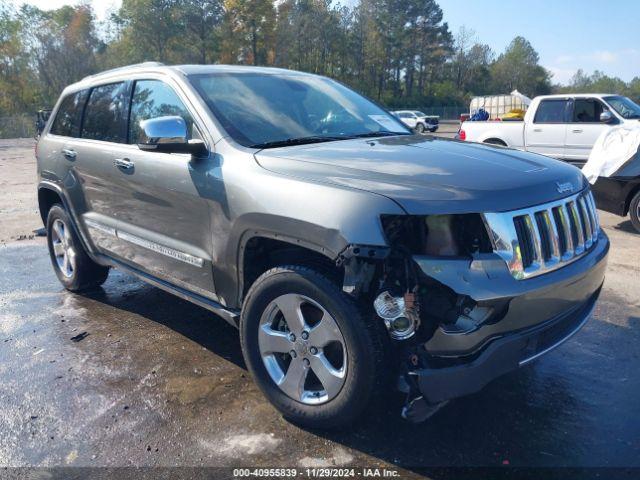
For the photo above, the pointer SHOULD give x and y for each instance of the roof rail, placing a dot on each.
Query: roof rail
(126, 67)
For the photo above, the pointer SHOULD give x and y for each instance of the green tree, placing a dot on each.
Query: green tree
(17, 88)
(148, 30)
(202, 20)
(518, 68)
(249, 31)
(62, 46)
(470, 63)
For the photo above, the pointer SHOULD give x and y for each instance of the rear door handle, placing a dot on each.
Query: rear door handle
(123, 163)
(537, 129)
(577, 130)
(68, 153)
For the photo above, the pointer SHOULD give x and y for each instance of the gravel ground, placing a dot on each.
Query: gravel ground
(132, 376)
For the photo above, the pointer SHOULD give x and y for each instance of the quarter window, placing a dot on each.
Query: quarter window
(152, 99)
(105, 114)
(552, 111)
(67, 121)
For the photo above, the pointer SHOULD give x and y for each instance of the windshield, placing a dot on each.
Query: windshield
(624, 106)
(420, 114)
(266, 110)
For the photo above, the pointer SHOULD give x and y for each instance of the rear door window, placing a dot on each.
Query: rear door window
(153, 99)
(553, 111)
(105, 113)
(67, 121)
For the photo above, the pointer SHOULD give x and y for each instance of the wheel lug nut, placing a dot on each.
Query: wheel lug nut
(292, 337)
(305, 361)
(293, 354)
(313, 350)
(305, 335)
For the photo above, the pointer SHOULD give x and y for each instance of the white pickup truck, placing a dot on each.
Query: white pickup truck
(559, 126)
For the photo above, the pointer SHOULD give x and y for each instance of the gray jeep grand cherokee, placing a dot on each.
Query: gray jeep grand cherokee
(351, 254)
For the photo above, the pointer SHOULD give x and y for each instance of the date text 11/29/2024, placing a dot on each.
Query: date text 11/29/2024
(322, 472)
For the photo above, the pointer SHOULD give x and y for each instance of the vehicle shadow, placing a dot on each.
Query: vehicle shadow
(554, 413)
(183, 317)
(626, 226)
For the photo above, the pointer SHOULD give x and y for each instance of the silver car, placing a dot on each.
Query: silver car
(351, 254)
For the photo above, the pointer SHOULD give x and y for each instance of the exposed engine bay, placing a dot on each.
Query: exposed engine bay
(411, 304)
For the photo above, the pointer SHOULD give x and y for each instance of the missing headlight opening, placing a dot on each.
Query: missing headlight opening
(411, 304)
(417, 308)
(446, 235)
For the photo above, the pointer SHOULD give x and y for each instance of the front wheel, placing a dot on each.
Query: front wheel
(634, 211)
(309, 348)
(420, 128)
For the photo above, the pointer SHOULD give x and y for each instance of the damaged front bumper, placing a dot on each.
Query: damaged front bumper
(540, 314)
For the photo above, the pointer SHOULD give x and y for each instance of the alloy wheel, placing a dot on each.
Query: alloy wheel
(302, 349)
(63, 250)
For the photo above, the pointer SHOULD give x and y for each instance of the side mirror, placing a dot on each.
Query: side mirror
(606, 117)
(168, 135)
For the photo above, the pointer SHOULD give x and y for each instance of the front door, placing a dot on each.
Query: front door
(547, 132)
(584, 129)
(164, 225)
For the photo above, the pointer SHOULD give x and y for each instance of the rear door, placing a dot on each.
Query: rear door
(165, 219)
(584, 129)
(103, 126)
(547, 132)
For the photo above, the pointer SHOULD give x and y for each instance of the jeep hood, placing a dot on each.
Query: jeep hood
(430, 175)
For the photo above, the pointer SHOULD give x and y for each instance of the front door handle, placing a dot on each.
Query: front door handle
(68, 153)
(123, 163)
(537, 129)
(577, 130)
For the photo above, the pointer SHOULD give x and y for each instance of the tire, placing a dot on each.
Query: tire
(495, 141)
(335, 401)
(634, 211)
(73, 267)
(420, 128)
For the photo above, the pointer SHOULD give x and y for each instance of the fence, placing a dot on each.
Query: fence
(17, 126)
(445, 113)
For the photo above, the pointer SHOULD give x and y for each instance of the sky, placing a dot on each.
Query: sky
(568, 34)
(100, 7)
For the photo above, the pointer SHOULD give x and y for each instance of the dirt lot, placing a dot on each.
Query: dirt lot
(132, 376)
(18, 202)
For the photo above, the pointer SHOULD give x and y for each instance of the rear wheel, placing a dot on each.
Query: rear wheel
(634, 211)
(309, 348)
(73, 267)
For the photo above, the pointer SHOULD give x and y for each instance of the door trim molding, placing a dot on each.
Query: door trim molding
(146, 243)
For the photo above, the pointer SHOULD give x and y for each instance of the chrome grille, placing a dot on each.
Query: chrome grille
(539, 239)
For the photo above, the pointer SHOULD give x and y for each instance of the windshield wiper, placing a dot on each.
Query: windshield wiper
(377, 134)
(321, 138)
(297, 141)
